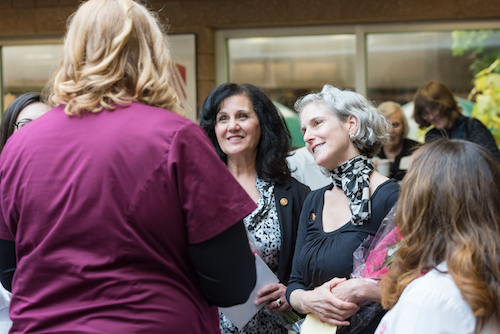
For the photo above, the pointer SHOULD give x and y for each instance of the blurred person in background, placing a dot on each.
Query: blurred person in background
(343, 131)
(305, 169)
(24, 109)
(398, 147)
(435, 105)
(252, 139)
(120, 215)
(445, 278)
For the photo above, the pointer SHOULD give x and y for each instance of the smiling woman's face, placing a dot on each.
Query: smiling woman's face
(30, 112)
(395, 121)
(237, 127)
(326, 137)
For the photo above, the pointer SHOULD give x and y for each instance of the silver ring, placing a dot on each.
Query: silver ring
(279, 302)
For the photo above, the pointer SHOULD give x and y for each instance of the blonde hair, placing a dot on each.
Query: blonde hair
(448, 211)
(389, 108)
(115, 52)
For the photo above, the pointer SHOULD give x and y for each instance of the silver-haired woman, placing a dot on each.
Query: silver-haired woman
(342, 130)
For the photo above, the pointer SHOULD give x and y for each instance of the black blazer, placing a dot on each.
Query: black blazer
(289, 198)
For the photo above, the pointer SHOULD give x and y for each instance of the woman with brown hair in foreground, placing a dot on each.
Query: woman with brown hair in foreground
(446, 276)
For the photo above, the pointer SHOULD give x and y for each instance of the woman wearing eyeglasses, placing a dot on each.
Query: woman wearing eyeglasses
(20, 112)
(435, 105)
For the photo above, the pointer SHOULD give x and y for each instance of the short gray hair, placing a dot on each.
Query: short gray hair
(373, 128)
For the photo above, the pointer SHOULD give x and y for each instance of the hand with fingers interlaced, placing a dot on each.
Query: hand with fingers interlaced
(322, 302)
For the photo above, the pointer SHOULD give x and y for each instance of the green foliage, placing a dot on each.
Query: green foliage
(473, 44)
(479, 46)
(472, 41)
(487, 92)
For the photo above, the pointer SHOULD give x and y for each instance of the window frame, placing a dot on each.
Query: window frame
(361, 31)
(190, 40)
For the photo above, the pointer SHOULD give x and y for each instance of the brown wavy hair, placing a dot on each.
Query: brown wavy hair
(434, 95)
(115, 52)
(448, 211)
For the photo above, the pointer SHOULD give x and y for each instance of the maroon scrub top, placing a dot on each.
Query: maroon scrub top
(102, 208)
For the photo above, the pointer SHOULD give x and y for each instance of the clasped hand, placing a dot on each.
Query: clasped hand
(329, 304)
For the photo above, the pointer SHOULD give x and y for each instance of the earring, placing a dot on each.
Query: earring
(351, 136)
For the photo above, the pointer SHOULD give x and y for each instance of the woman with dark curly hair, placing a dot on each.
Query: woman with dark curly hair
(445, 278)
(250, 136)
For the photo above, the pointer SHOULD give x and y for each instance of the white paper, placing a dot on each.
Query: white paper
(404, 163)
(383, 166)
(5, 322)
(241, 314)
(312, 325)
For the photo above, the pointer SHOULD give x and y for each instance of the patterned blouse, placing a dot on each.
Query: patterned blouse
(264, 230)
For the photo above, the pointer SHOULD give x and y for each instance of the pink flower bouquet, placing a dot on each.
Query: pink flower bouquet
(374, 256)
(372, 260)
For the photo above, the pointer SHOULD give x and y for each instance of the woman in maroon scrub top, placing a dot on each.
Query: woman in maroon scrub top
(122, 217)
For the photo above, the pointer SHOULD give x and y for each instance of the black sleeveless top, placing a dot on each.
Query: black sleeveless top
(321, 256)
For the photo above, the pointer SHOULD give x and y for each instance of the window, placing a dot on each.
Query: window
(26, 68)
(288, 67)
(380, 61)
(398, 63)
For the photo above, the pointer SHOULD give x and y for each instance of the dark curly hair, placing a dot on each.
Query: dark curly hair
(275, 139)
(11, 113)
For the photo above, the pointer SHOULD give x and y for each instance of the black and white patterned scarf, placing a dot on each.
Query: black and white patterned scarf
(264, 204)
(353, 177)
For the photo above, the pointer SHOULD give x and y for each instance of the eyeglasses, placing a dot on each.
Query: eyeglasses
(22, 123)
(429, 114)
(395, 125)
